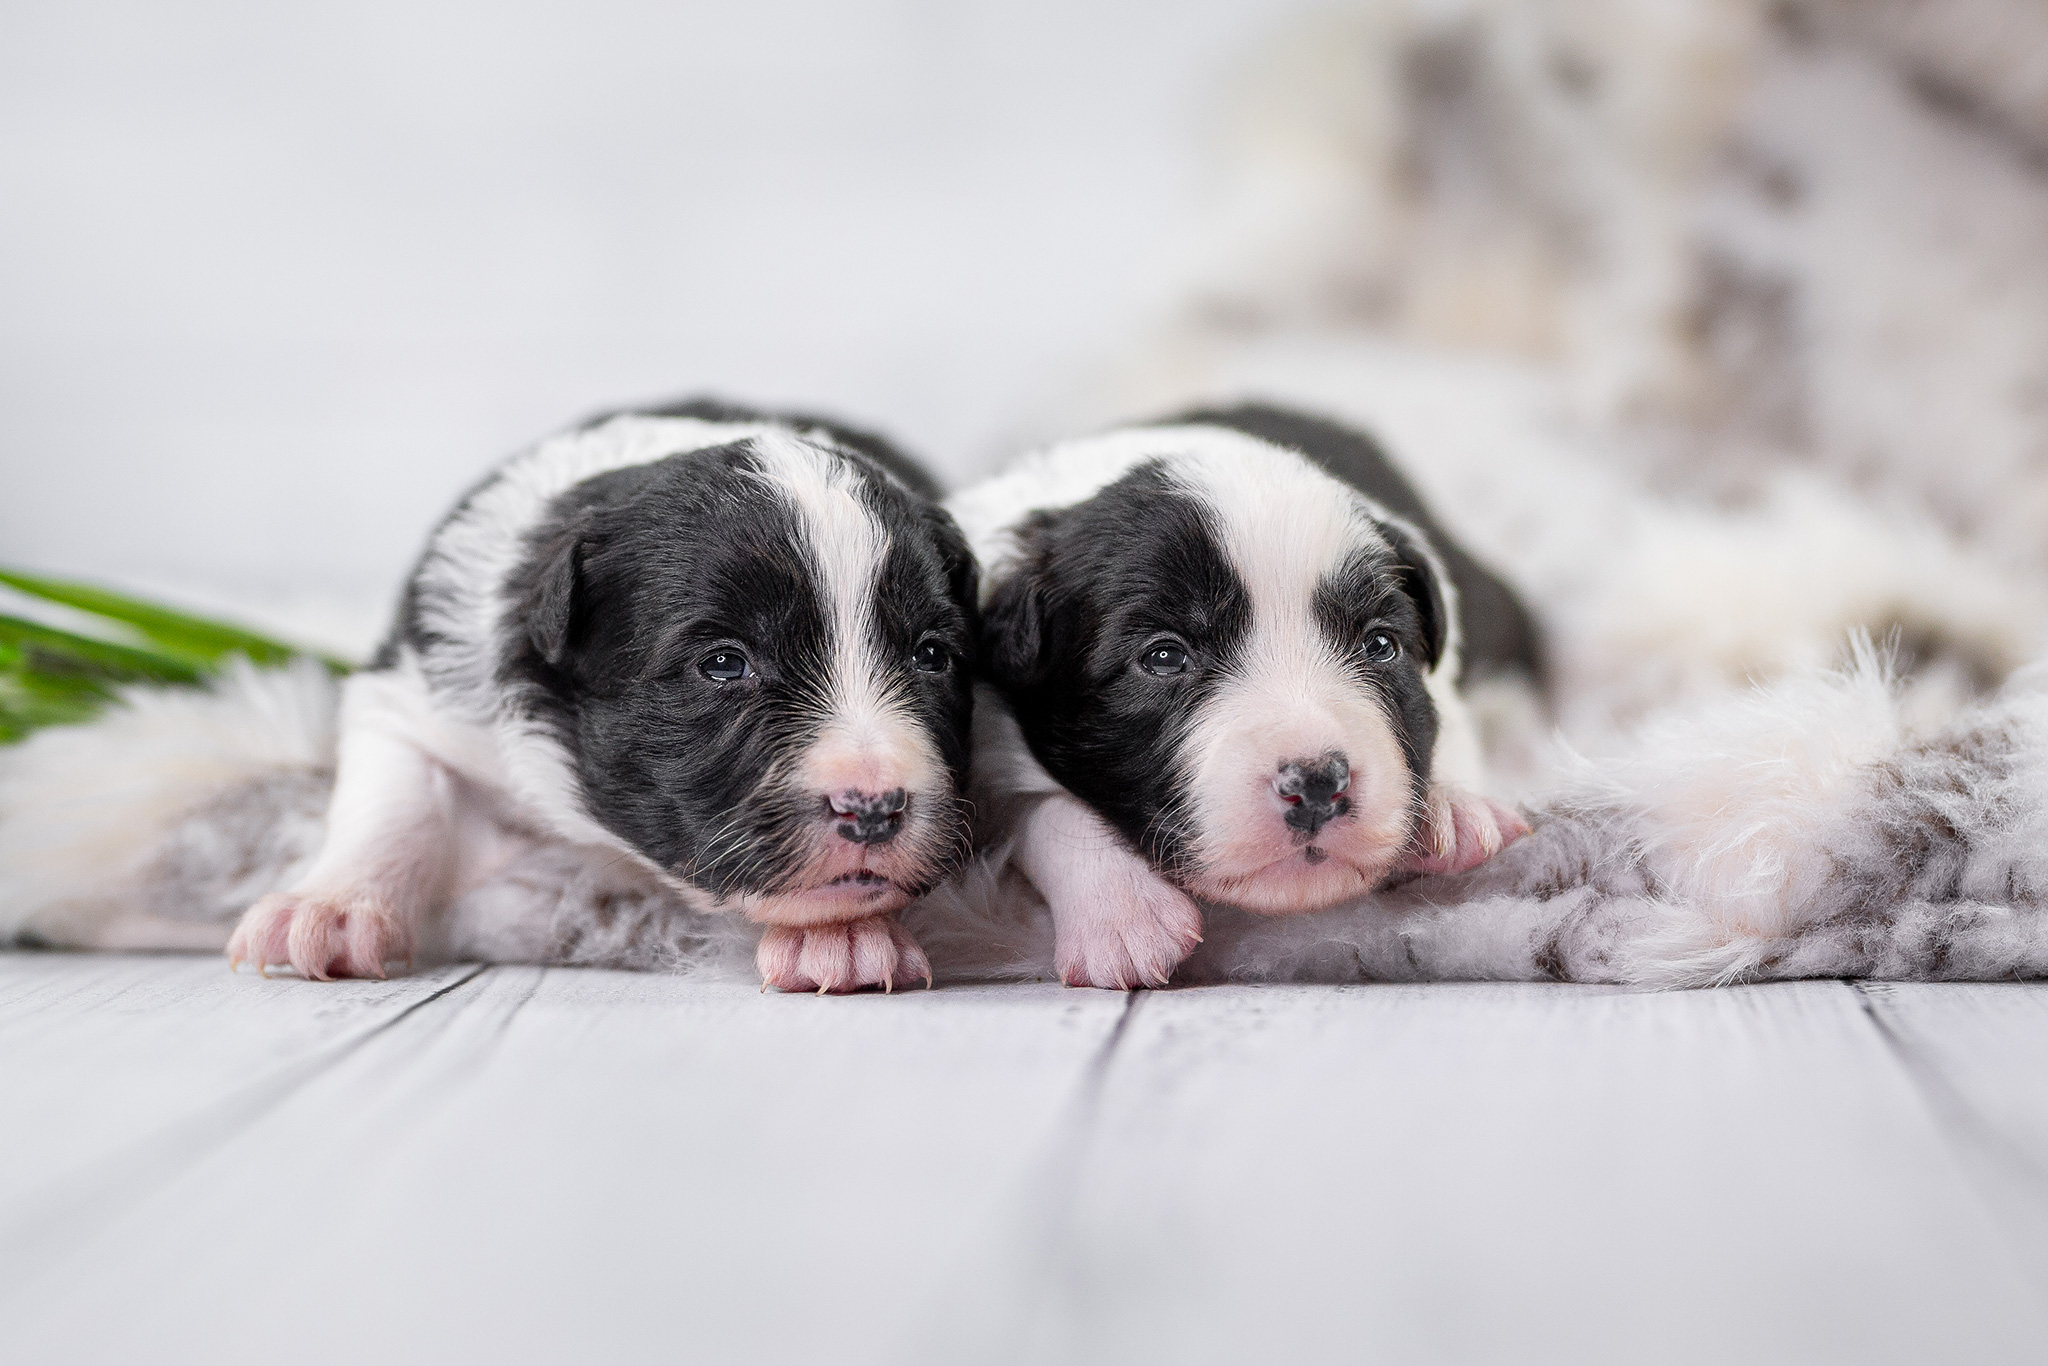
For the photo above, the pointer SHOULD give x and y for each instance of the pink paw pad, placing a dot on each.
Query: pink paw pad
(839, 957)
(1134, 933)
(321, 937)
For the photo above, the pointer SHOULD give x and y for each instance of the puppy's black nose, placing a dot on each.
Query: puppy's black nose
(1315, 791)
(869, 817)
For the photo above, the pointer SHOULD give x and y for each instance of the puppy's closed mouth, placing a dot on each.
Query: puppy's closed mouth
(1309, 879)
(861, 879)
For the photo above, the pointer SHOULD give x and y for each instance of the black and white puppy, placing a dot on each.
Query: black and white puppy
(729, 646)
(1225, 653)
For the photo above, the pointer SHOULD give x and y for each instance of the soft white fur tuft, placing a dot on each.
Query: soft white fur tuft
(84, 810)
(1729, 805)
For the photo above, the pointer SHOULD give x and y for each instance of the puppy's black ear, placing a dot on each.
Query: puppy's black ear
(1013, 631)
(1016, 626)
(1421, 579)
(963, 575)
(553, 589)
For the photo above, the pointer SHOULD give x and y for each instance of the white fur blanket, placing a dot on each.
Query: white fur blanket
(1720, 326)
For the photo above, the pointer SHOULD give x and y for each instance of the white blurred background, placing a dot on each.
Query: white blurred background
(276, 282)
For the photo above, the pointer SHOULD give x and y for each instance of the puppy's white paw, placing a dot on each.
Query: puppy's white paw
(844, 956)
(1131, 930)
(1460, 830)
(322, 937)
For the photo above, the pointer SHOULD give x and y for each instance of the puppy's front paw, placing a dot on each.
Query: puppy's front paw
(1132, 932)
(846, 956)
(322, 937)
(1460, 830)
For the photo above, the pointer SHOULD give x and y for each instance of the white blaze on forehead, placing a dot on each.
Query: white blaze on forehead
(869, 735)
(1286, 525)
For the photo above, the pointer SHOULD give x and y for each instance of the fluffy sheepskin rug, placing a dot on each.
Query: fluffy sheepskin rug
(1720, 326)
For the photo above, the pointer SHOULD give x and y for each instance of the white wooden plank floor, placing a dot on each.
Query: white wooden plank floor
(512, 1165)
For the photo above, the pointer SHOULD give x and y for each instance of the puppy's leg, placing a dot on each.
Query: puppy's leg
(844, 955)
(1459, 829)
(386, 860)
(1116, 923)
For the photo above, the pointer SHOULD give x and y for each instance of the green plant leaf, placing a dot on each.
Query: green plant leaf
(178, 634)
(45, 650)
(51, 676)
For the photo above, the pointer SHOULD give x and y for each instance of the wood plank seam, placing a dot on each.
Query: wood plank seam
(504, 1026)
(1060, 1173)
(1027, 1260)
(1070, 1142)
(1098, 1066)
(66, 1218)
(1993, 1165)
(1952, 1110)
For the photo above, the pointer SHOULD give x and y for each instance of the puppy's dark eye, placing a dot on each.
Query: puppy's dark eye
(930, 657)
(1380, 648)
(725, 666)
(1163, 659)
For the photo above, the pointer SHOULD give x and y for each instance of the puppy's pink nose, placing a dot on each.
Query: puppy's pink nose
(868, 817)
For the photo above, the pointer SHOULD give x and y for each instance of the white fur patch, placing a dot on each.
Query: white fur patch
(1734, 803)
